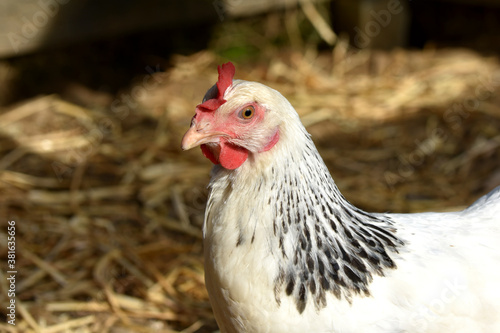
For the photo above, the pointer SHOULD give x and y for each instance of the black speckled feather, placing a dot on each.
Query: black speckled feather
(326, 244)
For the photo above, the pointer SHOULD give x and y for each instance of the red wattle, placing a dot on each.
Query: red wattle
(208, 154)
(232, 156)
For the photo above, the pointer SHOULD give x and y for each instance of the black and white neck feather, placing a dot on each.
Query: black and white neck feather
(319, 242)
(286, 252)
(325, 244)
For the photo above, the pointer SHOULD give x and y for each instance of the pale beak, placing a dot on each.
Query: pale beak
(198, 135)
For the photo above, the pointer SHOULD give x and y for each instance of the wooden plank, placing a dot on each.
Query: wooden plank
(381, 24)
(238, 8)
(28, 25)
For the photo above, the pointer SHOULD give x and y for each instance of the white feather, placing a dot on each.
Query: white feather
(447, 270)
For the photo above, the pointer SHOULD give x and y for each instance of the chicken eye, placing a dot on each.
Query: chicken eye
(247, 112)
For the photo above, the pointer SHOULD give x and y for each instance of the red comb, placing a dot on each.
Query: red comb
(226, 74)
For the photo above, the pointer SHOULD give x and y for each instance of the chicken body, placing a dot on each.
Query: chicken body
(286, 252)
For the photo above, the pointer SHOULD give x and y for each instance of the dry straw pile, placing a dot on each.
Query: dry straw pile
(108, 210)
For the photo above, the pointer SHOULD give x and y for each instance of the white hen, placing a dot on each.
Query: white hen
(286, 252)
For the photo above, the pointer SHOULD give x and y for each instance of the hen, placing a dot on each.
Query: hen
(286, 252)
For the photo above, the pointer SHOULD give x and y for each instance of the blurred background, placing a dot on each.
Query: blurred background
(402, 99)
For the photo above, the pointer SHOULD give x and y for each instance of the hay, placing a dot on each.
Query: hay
(108, 209)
